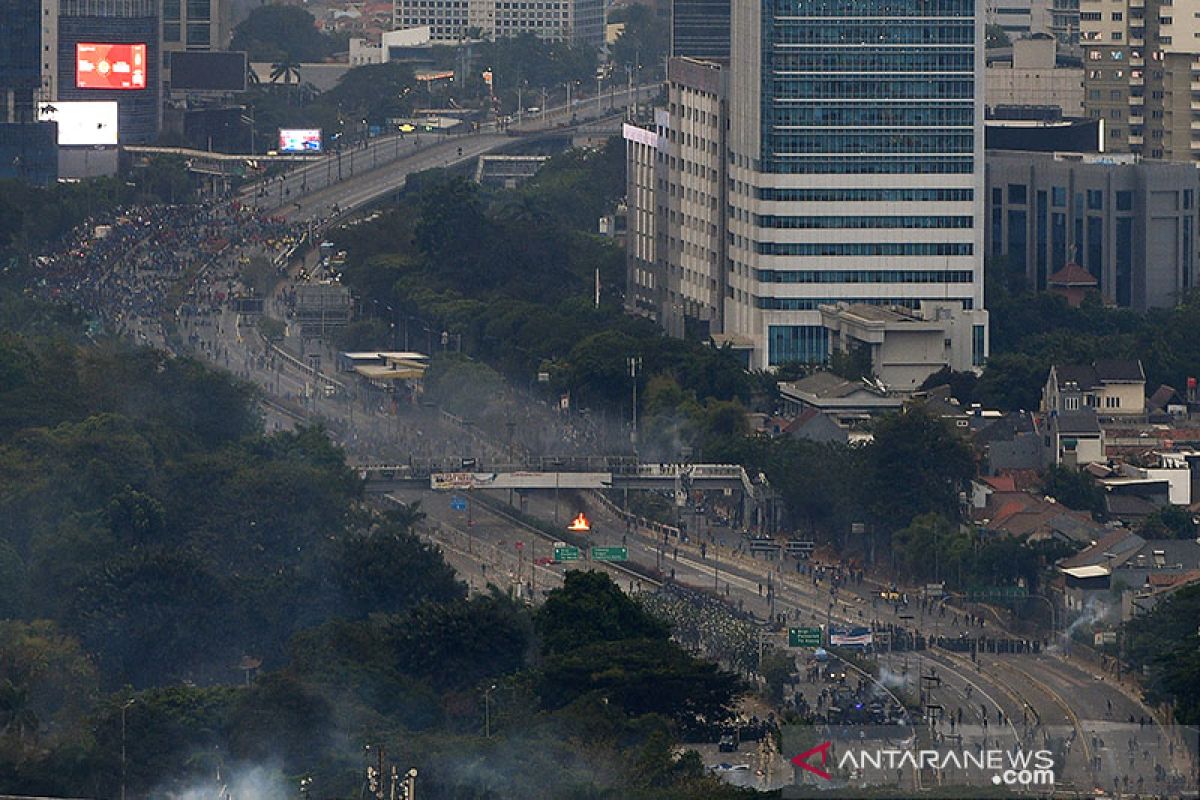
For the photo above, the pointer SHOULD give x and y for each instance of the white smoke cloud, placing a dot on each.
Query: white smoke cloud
(254, 782)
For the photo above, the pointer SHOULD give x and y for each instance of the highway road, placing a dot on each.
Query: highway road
(1048, 698)
(371, 169)
(1052, 696)
(1045, 699)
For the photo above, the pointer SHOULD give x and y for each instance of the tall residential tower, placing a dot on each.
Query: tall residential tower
(1141, 61)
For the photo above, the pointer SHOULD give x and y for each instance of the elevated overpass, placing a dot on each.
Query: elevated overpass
(355, 163)
(573, 473)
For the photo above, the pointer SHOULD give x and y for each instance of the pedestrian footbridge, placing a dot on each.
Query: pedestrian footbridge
(680, 478)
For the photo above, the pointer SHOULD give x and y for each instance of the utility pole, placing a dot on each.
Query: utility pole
(124, 708)
(487, 711)
(635, 369)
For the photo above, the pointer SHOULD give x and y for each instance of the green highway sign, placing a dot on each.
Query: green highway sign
(804, 637)
(566, 553)
(610, 554)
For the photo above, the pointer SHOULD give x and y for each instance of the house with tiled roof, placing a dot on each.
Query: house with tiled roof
(1138, 567)
(1002, 508)
(1111, 387)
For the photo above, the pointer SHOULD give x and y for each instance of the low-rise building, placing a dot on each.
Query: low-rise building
(906, 345)
(1072, 438)
(1072, 283)
(1008, 443)
(846, 402)
(1111, 387)
(1032, 77)
(580, 22)
(1126, 562)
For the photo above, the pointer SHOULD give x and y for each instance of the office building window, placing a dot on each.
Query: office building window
(855, 222)
(1124, 277)
(864, 248)
(997, 230)
(978, 338)
(1124, 201)
(807, 344)
(864, 275)
(1018, 240)
(1188, 245)
(1058, 240)
(198, 33)
(1058, 196)
(199, 10)
(1095, 248)
(1041, 257)
(1016, 194)
(1095, 199)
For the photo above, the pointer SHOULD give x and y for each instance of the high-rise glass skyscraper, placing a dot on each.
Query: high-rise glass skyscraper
(700, 28)
(855, 165)
(20, 61)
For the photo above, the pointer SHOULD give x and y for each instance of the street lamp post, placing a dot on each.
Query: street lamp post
(635, 368)
(487, 711)
(124, 709)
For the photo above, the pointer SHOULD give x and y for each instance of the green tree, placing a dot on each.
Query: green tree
(927, 548)
(642, 676)
(285, 71)
(777, 669)
(275, 32)
(917, 465)
(644, 40)
(458, 645)
(374, 91)
(47, 683)
(1169, 522)
(1165, 645)
(1074, 489)
(390, 570)
(365, 335)
(962, 384)
(280, 717)
(1012, 381)
(610, 615)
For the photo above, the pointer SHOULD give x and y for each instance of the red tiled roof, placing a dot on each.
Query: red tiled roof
(1001, 483)
(1072, 275)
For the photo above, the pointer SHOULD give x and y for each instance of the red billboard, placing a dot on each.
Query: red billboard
(110, 66)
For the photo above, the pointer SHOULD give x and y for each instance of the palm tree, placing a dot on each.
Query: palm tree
(286, 69)
(306, 93)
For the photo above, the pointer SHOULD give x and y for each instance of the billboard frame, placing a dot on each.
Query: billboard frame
(320, 148)
(62, 113)
(134, 48)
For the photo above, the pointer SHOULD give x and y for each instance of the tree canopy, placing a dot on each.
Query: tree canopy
(275, 31)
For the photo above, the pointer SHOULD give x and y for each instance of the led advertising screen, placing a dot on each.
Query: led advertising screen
(82, 123)
(299, 140)
(214, 72)
(110, 66)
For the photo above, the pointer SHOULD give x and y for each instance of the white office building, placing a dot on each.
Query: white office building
(580, 22)
(855, 166)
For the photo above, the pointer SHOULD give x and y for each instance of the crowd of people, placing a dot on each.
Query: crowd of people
(707, 625)
(122, 268)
